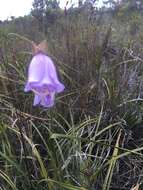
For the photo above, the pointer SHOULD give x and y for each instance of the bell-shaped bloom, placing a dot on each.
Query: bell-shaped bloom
(43, 80)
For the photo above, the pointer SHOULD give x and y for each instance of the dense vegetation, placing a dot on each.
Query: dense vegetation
(92, 139)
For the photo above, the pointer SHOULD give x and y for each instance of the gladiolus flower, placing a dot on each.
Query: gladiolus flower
(43, 80)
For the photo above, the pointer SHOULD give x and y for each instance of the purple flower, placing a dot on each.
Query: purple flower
(43, 80)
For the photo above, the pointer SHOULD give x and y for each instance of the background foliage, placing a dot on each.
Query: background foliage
(92, 138)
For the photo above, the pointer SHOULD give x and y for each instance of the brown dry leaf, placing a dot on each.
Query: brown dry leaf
(136, 187)
(42, 47)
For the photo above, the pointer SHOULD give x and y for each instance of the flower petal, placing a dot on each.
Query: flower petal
(37, 100)
(36, 69)
(53, 78)
(43, 80)
(48, 101)
(27, 87)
